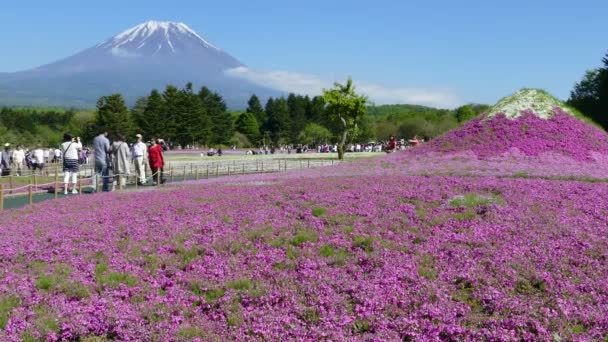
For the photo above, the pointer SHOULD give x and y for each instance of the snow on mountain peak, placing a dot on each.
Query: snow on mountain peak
(139, 36)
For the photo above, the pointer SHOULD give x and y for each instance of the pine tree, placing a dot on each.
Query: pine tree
(113, 116)
(277, 122)
(194, 123)
(248, 125)
(171, 100)
(153, 120)
(255, 107)
(297, 113)
(222, 124)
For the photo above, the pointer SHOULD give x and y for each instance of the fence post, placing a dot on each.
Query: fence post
(262, 166)
(196, 177)
(207, 174)
(228, 169)
(56, 182)
(171, 175)
(158, 177)
(120, 182)
(136, 181)
(10, 184)
(243, 168)
(309, 163)
(98, 182)
(79, 184)
(1, 196)
(30, 194)
(191, 169)
(217, 169)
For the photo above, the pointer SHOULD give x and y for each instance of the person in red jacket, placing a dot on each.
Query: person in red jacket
(157, 162)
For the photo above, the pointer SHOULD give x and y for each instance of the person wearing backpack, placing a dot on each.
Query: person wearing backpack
(70, 148)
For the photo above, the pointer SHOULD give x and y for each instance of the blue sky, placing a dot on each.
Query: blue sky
(440, 53)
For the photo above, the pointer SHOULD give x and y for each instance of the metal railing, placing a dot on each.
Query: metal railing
(37, 182)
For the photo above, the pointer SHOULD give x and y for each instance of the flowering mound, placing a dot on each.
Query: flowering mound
(529, 123)
(335, 258)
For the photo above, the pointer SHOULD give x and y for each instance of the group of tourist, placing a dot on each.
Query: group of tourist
(16, 161)
(113, 160)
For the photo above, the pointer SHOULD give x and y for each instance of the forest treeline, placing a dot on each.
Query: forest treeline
(185, 116)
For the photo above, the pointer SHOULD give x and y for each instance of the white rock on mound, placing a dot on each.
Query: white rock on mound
(536, 100)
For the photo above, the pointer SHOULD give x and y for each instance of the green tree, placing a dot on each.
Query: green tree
(194, 125)
(465, 113)
(152, 122)
(113, 115)
(277, 122)
(171, 100)
(590, 95)
(314, 134)
(297, 105)
(248, 125)
(345, 106)
(222, 124)
(255, 107)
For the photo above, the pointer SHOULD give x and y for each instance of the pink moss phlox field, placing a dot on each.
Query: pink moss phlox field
(529, 134)
(339, 258)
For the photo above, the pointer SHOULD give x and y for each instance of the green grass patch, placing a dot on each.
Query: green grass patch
(104, 277)
(211, 295)
(304, 236)
(426, 267)
(472, 200)
(7, 304)
(364, 242)
(318, 211)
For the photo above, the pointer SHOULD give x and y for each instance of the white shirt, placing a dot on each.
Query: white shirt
(18, 156)
(70, 149)
(139, 149)
(39, 156)
(57, 153)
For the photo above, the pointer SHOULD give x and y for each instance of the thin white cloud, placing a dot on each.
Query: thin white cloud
(287, 81)
(118, 52)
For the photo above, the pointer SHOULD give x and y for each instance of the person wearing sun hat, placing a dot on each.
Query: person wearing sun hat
(139, 157)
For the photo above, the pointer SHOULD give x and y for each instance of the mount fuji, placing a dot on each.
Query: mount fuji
(150, 55)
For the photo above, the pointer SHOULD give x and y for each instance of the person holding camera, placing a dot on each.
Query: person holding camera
(70, 148)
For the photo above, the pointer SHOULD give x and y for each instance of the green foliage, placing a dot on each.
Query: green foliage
(465, 113)
(314, 134)
(113, 116)
(255, 107)
(277, 122)
(222, 124)
(345, 108)
(45, 126)
(590, 95)
(248, 125)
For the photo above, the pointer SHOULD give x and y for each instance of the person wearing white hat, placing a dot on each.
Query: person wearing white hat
(139, 156)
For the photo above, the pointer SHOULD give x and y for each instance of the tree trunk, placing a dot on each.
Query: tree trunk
(343, 141)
